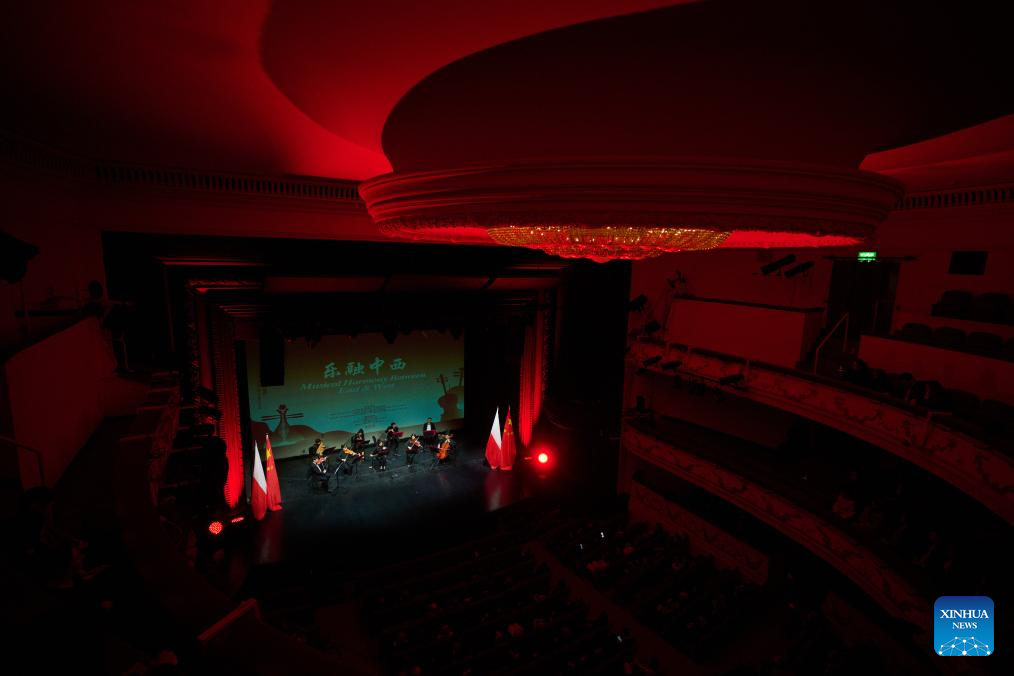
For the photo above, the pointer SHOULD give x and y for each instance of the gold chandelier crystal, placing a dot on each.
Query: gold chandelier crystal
(607, 242)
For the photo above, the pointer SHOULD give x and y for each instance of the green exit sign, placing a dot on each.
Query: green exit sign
(867, 256)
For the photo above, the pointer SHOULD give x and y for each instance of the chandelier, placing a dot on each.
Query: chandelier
(622, 209)
(608, 242)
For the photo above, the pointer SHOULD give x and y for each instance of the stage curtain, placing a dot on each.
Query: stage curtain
(227, 388)
(533, 381)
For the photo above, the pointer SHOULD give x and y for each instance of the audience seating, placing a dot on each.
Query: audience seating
(485, 607)
(695, 606)
(988, 344)
(919, 333)
(931, 395)
(955, 304)
(947, 337)
(991, 307)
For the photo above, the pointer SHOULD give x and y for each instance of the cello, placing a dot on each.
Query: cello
(444, 449)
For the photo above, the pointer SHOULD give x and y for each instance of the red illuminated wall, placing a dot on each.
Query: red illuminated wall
(930, 235)
(54, 391)
(70, 256)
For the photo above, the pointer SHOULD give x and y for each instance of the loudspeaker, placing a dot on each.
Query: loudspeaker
(272, 359)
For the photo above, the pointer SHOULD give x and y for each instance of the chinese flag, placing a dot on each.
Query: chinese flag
(259, 491)
(507, 446)
(274, 490)
(493, 443)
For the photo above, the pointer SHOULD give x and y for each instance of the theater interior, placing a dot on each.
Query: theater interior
(732, 282)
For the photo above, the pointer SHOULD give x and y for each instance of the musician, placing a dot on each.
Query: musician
(316, 448)
(393, 435)
(359, 440)
(318, 472)
(411, 448)
(380, 454)
(430, 432)
(441, 453)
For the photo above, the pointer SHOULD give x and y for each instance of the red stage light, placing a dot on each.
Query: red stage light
(215, 527)
(238, 519)
(543, 458)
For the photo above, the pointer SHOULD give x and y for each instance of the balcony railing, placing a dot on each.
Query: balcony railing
(869, 572)
(970, 464)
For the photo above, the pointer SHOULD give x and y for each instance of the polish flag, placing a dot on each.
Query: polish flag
(507, 446)
(493, 444)
(259, 491)
(274, 489)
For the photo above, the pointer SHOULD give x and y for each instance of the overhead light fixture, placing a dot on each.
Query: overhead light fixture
(610, 242)
(607, 209)
(775, 265)
(798, 270)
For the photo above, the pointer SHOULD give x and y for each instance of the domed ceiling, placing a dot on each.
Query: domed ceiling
(716, 123)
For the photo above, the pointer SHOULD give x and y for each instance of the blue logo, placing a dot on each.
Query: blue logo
(963, 626)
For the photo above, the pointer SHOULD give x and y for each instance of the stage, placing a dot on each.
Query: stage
(372, 517)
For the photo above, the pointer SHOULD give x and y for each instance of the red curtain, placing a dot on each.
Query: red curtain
(227, 388)
(533, 377)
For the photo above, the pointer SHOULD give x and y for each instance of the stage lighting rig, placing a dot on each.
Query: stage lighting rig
(798, 270)
(774, 266)
(637, 304)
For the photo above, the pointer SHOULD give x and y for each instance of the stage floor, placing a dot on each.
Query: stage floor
(372, 512)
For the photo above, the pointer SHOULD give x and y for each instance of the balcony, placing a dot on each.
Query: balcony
(821, 536)
(974, 466)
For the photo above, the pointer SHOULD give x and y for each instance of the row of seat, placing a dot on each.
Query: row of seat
(487, 607)
(946, 337)
(693, 605)
(989, 418)
(993, 308)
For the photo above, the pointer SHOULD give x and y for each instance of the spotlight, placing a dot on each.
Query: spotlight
(780, 263)
(215, 527)
(734, 379)
(672, 365)
(798, 270)
(652, 326)
(637, 304)
(543, 458)
(651, 361)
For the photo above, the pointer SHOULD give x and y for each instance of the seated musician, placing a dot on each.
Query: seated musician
(347, 459)
(443, 451)
(315, 447)
(411, 448)
(317, 471)
(381, 455)
(359, 440)
(393, 434)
